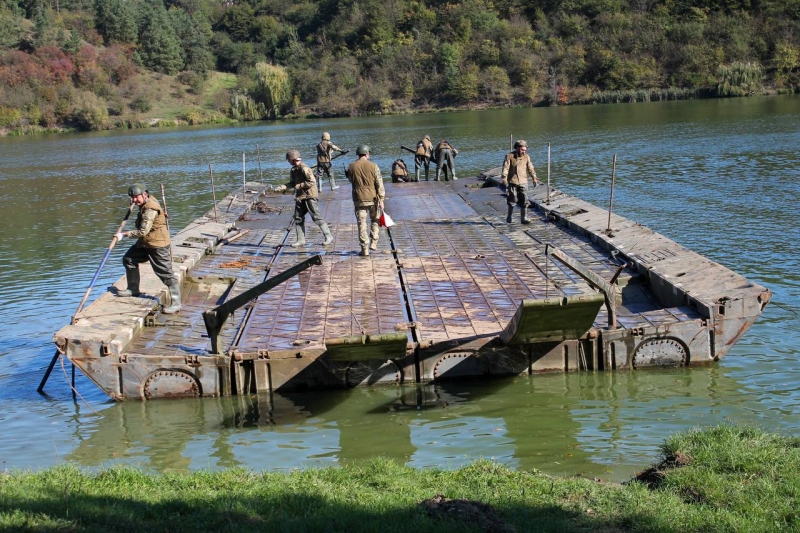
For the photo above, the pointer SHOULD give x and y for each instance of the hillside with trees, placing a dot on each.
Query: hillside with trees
(95, 64)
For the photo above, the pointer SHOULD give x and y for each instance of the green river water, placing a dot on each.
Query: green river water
(721, 177)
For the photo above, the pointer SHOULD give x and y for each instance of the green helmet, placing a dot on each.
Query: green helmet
(428, 137)
(291, 155)
(520, 143)
(326, 136)
(362, 149)
(136, 189)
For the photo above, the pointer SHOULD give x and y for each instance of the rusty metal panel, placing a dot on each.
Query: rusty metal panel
(443, 204)
(336, 299)
(446, 237)
(461, 296)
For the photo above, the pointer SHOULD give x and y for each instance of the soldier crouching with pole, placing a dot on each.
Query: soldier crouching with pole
(306, 200)
(153, 245)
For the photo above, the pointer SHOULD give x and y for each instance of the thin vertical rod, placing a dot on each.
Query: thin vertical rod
(260, 174)
(548, 174)
(213, 193)
(244, 178)
(611, 198)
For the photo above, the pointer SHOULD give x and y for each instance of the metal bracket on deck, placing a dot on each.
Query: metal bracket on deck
(215, 318)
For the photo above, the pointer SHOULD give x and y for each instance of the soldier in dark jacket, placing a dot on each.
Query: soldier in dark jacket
(422, 156)
(153, 245)
(306, 200)
(400, 172)
(324, 150)
(517, 167)
(444, 155)
(368, 195)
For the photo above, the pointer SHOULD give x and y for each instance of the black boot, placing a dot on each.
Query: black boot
(133, 284)
(510, 212)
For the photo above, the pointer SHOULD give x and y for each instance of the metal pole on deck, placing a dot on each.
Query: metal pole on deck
(213, 192)
(260, 174)
(611, 198)
(244, 179)
(548, 174)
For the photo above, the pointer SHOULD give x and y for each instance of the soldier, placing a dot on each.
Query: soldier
(153, 245)
(400, 172)
(422, 157)
(444, 155)
(304, 183)
(324, 150)
(517, 167)
(368, 195)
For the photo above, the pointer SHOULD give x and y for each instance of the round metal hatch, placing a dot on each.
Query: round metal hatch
(171, 384)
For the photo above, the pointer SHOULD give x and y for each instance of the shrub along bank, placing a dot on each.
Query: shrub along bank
(719, 479)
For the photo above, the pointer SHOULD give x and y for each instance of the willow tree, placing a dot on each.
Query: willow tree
(272, 87)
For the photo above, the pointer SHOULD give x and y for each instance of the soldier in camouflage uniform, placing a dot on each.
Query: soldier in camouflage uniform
(422, 157)
(324, 150)
(368, 195)
(400, 172)
(517, 167)
(153, 245)
(444, 155)
(304, 183)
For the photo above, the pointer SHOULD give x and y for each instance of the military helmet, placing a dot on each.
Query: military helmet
(520, 143)
(291, 155)
(136, 189)
(326, 136)
(427, 137)
(362, 149)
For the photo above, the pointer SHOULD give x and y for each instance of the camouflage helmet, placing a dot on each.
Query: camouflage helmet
(326, 136)
(520, 143)
(292, 155)
(362, 149)
(136, 189)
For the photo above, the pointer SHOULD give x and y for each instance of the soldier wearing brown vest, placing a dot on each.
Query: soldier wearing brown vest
(422, 156)
(368, 195)
(306, 200)
(517, 167)
(400, 172)
(153, 245)
(324, 150)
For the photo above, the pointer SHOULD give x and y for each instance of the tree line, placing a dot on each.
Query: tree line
(80, 63)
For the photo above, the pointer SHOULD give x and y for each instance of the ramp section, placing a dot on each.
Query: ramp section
(337, 300)
(552, 319)
(459, 296)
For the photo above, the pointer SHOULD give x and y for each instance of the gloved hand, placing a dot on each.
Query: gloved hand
(119, 236)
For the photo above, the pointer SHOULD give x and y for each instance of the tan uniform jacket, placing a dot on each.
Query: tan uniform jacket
(517, 168)
(324, 150)
(157, 236)
(442, 146)
(367, 182)
(399, 169)
(302, 179)
(424, 148)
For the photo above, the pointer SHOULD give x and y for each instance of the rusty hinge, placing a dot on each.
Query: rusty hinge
(123, 358)
(150, 319)
(105, 350)
(192, 360)
(263, 354)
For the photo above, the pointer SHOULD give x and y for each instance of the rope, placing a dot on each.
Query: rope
(66, 378)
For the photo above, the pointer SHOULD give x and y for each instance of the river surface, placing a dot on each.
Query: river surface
(721, 177)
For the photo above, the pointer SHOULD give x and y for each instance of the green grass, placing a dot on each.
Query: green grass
(732, 479)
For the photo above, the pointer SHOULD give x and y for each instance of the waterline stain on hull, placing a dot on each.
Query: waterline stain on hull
(452, 292)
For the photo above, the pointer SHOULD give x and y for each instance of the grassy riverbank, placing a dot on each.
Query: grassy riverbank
(720, 479)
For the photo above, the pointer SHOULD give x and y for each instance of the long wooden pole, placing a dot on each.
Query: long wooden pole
(611, 198)
(244, 179)
(213, 192)
(166, 215)
(86, 295)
